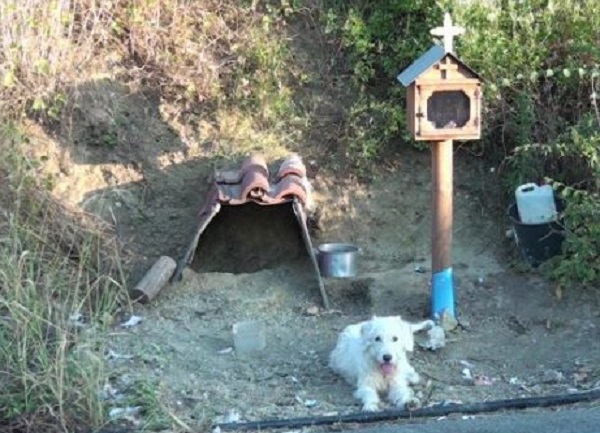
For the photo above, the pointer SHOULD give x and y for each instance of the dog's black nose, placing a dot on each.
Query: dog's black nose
(387, 358)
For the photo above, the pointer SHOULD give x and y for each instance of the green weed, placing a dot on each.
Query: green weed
(58, 279)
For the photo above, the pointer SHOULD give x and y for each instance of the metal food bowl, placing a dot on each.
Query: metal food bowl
(337, 260)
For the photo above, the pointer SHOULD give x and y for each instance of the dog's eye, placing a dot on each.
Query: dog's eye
(394, 339)
(377, 338)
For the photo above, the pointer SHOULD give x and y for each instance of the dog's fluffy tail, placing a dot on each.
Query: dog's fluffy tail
(425, 324)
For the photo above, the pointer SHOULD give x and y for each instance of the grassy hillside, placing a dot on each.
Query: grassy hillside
(230, 77)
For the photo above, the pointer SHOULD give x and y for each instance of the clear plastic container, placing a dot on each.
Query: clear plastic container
(536, 203)
(249, 336)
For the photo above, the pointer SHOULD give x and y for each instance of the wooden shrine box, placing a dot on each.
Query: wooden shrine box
(443, 97)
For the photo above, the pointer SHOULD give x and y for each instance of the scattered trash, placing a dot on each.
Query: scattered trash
(466, 374)
(133, 321)
(482, 381)
(509, 234)
(109, 392)
(249, 336)
(526, 388)
(312, 311)
(217, 429)
(225, 351)
(514, 381)
(436, 338)
(114, 355)
(76, 317)
(420, 270)
(293, 379)
(480, 281)
(465, 417)
(310, 403)
(572, 390)
(130, 413)
(232, 416)
(466, 364)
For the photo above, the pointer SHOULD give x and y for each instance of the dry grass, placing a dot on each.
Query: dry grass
(54, 266)
(222, 64)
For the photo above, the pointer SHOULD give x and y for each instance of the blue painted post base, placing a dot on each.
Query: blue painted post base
(442, 294)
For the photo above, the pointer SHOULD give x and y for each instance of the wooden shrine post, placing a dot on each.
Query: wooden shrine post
(443, 104)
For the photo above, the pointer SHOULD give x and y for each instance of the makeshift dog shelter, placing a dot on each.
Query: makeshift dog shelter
(254, 188)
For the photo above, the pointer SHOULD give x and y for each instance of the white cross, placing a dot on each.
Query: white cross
(448, 32)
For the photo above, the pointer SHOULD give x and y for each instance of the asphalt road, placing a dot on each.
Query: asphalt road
(565, 420)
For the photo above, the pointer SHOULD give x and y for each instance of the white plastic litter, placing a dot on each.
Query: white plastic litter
(133, 321)
(436, 338)
(75, 317)
(124, 412)
(310, 403)
(114, 355)
(232, 416)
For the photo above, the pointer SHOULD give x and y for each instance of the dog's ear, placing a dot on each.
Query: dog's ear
(365, 329)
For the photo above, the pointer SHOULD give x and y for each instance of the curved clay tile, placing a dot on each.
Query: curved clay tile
(255, 162)
(289, 187)
(255, 185)
(292, 165)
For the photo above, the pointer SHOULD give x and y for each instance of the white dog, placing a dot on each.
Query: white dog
(371, 356)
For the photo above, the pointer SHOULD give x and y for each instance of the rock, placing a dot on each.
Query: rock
(552, 376)
(448, 321)
(312, 311)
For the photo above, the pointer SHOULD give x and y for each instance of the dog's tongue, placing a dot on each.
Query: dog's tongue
(387, 368)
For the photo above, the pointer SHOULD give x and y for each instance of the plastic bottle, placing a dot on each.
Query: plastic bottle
(535, 203)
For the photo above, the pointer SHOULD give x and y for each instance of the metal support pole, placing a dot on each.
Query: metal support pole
(442, 285)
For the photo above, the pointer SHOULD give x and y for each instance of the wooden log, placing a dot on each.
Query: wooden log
(154, 280)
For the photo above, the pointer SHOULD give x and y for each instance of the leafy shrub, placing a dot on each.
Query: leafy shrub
(535, 56)
(572, 164)
(379, 39)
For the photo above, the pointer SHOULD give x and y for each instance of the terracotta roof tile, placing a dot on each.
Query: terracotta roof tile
(254, 183)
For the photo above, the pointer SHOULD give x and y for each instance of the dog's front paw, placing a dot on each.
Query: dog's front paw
(370, 406)
(413, 377)
(412, 403)
(408, 403)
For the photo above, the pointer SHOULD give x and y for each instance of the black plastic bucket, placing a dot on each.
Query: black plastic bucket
(538, 242)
